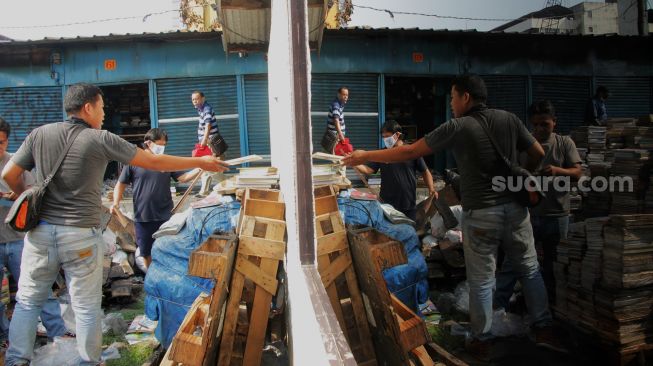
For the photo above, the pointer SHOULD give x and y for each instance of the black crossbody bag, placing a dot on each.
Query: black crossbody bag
(26, 210)
(528, 195)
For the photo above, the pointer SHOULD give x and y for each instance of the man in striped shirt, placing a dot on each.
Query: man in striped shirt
(208, 125)
(207, 128)
(336, 116)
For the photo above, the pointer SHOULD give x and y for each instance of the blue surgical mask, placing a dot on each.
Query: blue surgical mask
(389, 141)
(157, 149)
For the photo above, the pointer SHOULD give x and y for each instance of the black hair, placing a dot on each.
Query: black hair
(5, 126)
(602, 90)
(156, 134)
(393, 127)
(472, 84)
(340, 89)
(78, 95)
(198, 92)
(542, 107)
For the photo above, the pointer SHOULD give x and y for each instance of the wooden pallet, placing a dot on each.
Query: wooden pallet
(335, 265)
(396, 329)
(214, 259)
(261, 249)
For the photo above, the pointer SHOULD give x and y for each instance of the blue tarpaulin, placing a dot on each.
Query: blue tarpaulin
(170, 291)
(408, 282)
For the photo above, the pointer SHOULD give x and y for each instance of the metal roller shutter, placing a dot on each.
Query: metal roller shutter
(629, 96)
(178, 117)
(568, 95)
(28, 108)
(258, 114)
(509, 93)
(361, 112)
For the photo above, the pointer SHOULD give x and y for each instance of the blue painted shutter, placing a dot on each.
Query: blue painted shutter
(568, 95)
(28, 108)
(258, 114)
(629, 96)
(509, 93)
(362, 131)
(174, 101)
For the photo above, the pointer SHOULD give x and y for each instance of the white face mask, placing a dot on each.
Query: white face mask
(390, 141)
(157, 149)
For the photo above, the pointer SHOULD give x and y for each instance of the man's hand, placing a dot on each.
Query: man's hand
(114, 207)
(551, 170)
(355, 158)
(433, 193)
(213, 164)
(11, 196)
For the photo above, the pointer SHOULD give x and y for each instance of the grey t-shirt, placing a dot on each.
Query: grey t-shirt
(7, 234)
(559, 151)
(74, 195)
(477, 161)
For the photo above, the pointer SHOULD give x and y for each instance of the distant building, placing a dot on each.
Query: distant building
(596, 18)
(583, 18)
(628, 17)
(4, 39)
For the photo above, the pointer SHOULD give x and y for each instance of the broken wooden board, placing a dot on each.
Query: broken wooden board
(266, 203)
(209, 260)
(334, 262)
(412, 329)
(386, 330)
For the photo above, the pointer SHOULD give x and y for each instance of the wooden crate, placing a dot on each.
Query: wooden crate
(393, 329)
(187, 347)
(261, 250)
(385, 251)
(412, 330)
(209, 259)
(206, 352)
(262, 203)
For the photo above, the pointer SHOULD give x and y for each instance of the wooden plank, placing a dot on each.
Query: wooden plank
(334, 269)
(261, 227)
(332, 243)
(231, 320)
(389, 254)
(323, 261)
(328, 223)
(256, 274)
(376, 298)
(263, 248)
(422, 356)
(443, 355)
(269, 209)
(166, 361)
(260, 313)
(219, 297)
(324, 205)
(359, 314)
(184, 198)
(323, 191)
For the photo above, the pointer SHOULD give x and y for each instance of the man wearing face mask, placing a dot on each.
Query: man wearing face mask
(398, 181)
(152, 198)
(550, 219)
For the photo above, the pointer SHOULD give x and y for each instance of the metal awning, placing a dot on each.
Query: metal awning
(246, 24)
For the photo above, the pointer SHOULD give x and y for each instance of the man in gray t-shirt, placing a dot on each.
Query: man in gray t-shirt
(491, 219)
(68, 234)
(550, 219)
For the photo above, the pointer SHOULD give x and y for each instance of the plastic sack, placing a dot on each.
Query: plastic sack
(454, 236)
(437, 224)
(507, 324)
(114, 322)
(462, 297)
(61, 352)
(112, 352)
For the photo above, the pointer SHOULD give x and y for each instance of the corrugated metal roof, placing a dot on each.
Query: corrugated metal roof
(112, 37)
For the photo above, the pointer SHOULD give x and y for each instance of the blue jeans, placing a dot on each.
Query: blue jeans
(484, 231)
(79, 251)
(547, 232)
(10, 254)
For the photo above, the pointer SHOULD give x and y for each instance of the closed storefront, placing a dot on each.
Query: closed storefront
(177, 115)
(569, 96)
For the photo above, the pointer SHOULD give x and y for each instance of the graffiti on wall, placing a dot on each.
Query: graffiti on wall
(28, 108)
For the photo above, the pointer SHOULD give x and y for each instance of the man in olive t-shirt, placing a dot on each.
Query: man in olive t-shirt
(550, 219)
(68, 235)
